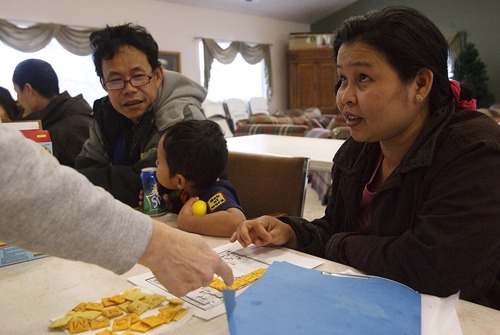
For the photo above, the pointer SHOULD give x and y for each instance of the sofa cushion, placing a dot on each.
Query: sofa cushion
(272, 129)
(293, 117)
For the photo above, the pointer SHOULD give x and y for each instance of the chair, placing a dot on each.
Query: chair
(215, 111)
(258, 105)
(269, 185)
(237, 110)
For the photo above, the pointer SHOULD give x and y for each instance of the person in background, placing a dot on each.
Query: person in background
(143, 100)
(65, 117)
(416, 188)
(192, 155)
(8, 106)
(54, 209)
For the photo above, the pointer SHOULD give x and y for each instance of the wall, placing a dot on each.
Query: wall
(479, 19)
(174, 27)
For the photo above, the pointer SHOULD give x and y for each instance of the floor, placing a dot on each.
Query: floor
(313, 208)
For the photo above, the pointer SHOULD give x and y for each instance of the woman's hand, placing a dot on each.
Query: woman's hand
(264, 231)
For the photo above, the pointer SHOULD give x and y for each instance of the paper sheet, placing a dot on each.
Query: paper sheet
(292, 300)
(208, 302)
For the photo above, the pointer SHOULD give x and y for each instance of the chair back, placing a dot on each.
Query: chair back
(258, 105)
(237, 109)
(215, 111)
(269, 185)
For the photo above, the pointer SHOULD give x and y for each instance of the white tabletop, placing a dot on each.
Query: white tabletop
(319, 150)
(33, 292)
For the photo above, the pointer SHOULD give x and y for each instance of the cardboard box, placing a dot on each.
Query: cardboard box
(10, 254)
(40, 136)
(306, 41)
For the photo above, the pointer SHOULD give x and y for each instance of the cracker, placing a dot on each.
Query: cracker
(111, 312)
(89, 315)
(239, 282)
(105, 332)
(118, 298)
(167, 315)
(180, 314)
(140, 327)
(94, 306)
(80, 307)
(124, 305)
(154, 300)
(137, 307)
(152, 321)
(78, 325)
(99, 323)
(133, 294)
(122, 323)
(61, 322)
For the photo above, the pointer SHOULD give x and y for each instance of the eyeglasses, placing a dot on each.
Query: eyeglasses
(118, 84)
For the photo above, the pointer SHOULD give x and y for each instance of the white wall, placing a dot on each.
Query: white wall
(174, 27)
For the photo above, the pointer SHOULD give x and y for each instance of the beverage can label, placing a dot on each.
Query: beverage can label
(152, 203)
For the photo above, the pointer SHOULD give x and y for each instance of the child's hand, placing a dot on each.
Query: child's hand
(141, 196)
(168, 203)
(187, 209)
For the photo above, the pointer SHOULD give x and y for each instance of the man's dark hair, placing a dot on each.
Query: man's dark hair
(39, 74)
(106, 42)
(197, 150)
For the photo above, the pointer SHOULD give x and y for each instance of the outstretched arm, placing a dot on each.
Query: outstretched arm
(265, 231)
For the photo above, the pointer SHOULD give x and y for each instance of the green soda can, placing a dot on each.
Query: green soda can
(152, 203)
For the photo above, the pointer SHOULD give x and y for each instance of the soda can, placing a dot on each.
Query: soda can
(152, 203)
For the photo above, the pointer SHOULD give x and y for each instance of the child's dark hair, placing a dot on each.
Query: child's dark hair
(197, 150)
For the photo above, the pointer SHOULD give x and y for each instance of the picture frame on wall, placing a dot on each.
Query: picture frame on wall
(170, 60)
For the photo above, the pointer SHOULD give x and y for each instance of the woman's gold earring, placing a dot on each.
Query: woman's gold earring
(418, 98)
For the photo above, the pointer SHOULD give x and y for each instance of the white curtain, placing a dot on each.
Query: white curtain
(37, 36)
(251, 53)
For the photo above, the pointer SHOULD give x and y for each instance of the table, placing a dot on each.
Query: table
(320, 151)
(33, 292)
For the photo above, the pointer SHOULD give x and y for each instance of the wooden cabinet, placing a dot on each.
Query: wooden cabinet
(312, 79)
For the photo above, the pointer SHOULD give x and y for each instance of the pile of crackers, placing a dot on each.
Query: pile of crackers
(239, 282)
(124, 310)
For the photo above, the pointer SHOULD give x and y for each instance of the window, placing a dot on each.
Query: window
(236, 80)
(76, 73)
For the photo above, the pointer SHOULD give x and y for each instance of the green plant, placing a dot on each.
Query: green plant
(468, 68)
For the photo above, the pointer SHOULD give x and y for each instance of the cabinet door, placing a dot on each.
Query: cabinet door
(312, 80)
(305, 85)
(326, 78)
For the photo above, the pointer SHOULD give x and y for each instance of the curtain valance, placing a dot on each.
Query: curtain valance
(37, 36)
(251, 53)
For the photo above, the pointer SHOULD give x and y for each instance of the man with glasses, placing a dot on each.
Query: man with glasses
(143, 100)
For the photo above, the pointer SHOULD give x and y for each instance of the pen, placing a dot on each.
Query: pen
(345, 275)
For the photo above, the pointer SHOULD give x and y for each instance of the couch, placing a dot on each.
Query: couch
(290, 122)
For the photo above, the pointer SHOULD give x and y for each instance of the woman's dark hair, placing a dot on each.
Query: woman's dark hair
(106, 42)
(9, 104)
(408, 40)
(196, 149)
